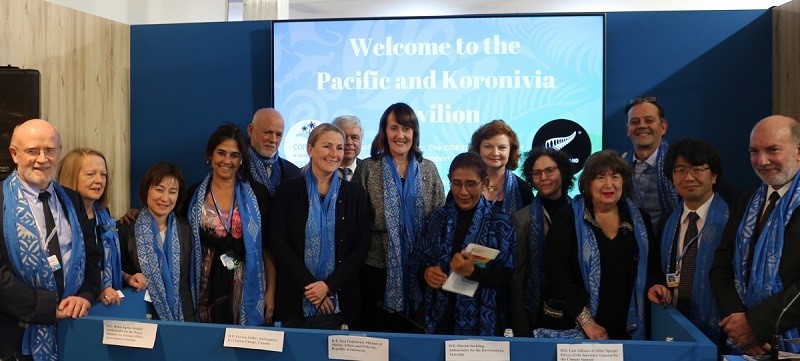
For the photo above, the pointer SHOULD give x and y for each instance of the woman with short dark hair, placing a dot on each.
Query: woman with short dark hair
(596, 264)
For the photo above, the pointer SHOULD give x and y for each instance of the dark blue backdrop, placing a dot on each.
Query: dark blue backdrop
(711, 70)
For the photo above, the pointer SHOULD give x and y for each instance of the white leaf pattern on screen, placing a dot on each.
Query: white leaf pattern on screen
(561, 142)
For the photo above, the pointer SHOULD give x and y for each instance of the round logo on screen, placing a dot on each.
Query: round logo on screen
(294, 141)
(568, 136)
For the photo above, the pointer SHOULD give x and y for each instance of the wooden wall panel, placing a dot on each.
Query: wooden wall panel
(85, 65)
(786, 59)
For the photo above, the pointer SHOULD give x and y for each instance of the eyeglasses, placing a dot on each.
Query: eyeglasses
(549, 171)
(469, 185)
(683, 171)
(34, 152)
(642, 100)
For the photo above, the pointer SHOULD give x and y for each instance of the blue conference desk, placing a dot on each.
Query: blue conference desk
(81, 339)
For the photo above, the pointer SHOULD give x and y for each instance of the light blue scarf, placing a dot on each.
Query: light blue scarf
(704, 312)
(258, 170)
(589, 262)
(112, 265)
(161, 266)
(764, 265)
(29, 260)
(404, 207)
(320, 245)
(512, 196)
(489, 227)
(667, 196)
(251, 310)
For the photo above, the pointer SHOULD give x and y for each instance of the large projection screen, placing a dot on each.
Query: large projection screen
(457, 73)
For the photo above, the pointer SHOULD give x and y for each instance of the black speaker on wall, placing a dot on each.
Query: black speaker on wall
(19, 101)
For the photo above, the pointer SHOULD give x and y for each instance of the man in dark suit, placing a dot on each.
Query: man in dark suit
(266, 166)
(351, 126)
(756, 270)
(48, 269)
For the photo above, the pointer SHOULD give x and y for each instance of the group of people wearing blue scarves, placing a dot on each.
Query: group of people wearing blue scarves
(381, 252)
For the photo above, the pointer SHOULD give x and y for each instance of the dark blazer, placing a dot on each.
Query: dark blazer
(21, 303)
(130, 260)
(287, 243)
(762, 317)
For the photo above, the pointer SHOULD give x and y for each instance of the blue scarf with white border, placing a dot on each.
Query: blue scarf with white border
(29, 260)
(763, 266)
(251, 310)
(404, 207)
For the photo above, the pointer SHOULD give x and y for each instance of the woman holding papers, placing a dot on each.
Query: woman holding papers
(596, 264)
(498, 146)
(403, 188)
(473, 242)
(159, 245)
(319, 239)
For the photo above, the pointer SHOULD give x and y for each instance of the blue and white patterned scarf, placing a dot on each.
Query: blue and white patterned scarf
(490, 227)
(29, 260)
(109, 239)
(404, 207)
(667, 196)
(512, 197)
(251, 311)
(320, 245)
(258, 170)
(533, 287)
(161, 266)
(589, 262)
(764, 265)
(704, 312)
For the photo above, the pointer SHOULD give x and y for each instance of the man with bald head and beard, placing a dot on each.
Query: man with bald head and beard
(266, 166)
(48, 269)
(756, 270)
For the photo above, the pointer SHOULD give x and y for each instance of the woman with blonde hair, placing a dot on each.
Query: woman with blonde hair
(85, 171)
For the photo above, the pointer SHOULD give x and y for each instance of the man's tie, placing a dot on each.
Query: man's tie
(52, 246)
(773, 199)
(687, 265)
(346, 173)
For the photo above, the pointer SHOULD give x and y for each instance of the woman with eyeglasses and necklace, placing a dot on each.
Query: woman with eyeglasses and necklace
(465, 220)
(498, 146)
(551, 174)
(403, 189)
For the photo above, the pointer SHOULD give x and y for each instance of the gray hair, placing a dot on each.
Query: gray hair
(347, 121)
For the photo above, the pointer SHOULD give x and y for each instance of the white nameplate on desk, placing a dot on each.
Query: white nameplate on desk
(343, 347)
(253, 339)
(129, 334)
(477, 350)
(589, 351)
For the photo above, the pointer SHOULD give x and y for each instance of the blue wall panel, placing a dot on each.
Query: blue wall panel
(186, 80)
